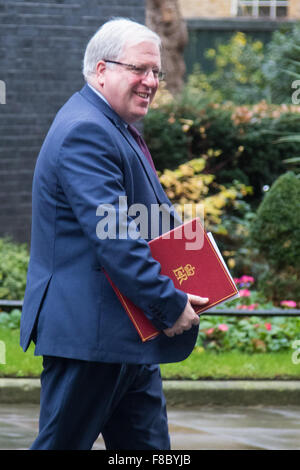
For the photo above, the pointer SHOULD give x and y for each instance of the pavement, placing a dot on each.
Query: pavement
(200, 428)
(203, 415)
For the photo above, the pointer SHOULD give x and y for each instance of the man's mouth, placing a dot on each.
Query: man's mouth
(145, 96)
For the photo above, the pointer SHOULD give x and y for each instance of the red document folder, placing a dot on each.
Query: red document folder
(190, 257)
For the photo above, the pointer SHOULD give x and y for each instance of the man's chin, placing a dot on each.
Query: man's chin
(137, 116)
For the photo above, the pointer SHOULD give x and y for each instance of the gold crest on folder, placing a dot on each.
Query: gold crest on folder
(183, 273)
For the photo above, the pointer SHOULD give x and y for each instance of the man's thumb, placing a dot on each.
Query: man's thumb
(197, 300)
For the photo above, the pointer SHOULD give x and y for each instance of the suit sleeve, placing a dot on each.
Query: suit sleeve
(91, 175)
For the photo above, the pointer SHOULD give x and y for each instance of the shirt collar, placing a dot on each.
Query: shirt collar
(99, 94)
(104, 99)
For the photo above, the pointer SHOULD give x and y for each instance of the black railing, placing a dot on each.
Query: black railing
(8, 305)
(274, 312)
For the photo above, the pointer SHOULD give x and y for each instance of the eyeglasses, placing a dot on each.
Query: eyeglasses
(142, 71)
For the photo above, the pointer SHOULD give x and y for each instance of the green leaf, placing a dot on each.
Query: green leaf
(289, 138)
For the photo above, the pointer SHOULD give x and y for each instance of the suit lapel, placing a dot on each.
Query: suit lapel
(160, 193)
(91, 96)
(146, 165)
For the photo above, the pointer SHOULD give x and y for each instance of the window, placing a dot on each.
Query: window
(261, 8)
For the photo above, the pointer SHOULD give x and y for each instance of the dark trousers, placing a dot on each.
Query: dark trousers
(80, 400)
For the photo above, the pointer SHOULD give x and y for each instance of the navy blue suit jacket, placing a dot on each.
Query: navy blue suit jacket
(89, 158)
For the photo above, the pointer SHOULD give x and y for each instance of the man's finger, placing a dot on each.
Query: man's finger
(197, 300)
(196, 320)
(168, 332)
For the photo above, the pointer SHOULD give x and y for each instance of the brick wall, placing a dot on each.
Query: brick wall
(41, 51)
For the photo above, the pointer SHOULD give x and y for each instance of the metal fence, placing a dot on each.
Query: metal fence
(8, 305)
(276, 312)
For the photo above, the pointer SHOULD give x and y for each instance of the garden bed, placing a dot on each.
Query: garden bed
(201, 364)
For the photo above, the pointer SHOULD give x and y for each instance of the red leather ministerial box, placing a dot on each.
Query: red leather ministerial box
(190, 257)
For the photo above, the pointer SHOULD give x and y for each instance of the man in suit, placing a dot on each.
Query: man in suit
(98, 376)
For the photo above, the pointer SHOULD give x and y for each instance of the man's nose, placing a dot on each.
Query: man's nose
(150, 80)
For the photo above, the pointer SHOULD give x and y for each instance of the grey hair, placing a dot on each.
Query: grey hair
(109, 41)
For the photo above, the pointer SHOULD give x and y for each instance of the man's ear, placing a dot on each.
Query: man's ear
(100, 72)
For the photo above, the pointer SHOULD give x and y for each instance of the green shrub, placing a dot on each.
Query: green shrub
(281, 63)
(188, 185)
(168, 142)
(275, 232)
(14, 260)
(11, 320)
(237, 72)
(246, 71)
(243, 139)
(262, 159)
(248, 334)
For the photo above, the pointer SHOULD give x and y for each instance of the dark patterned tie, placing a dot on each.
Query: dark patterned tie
(142, 144)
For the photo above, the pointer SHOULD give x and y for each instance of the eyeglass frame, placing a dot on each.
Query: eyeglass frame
(140, 70)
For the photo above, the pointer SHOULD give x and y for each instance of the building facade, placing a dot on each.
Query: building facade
(266, 9)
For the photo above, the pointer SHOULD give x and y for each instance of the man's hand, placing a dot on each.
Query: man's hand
(188, 318)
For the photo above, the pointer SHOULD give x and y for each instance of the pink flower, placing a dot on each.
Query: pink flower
(268, 326)
(245, 293)
(210, 331)
(244, 280)
(247, 279)
(247, 307)
(252, 306)
(223, 327)
(288, 303)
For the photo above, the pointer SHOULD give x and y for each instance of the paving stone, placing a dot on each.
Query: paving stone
(201, 428)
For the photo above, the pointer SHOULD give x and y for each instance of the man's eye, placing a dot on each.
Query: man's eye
(142, 71)
(138, 70)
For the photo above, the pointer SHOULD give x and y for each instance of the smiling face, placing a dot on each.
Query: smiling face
(128, 93)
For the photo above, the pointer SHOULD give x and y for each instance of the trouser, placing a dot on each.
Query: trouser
(81, 399)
